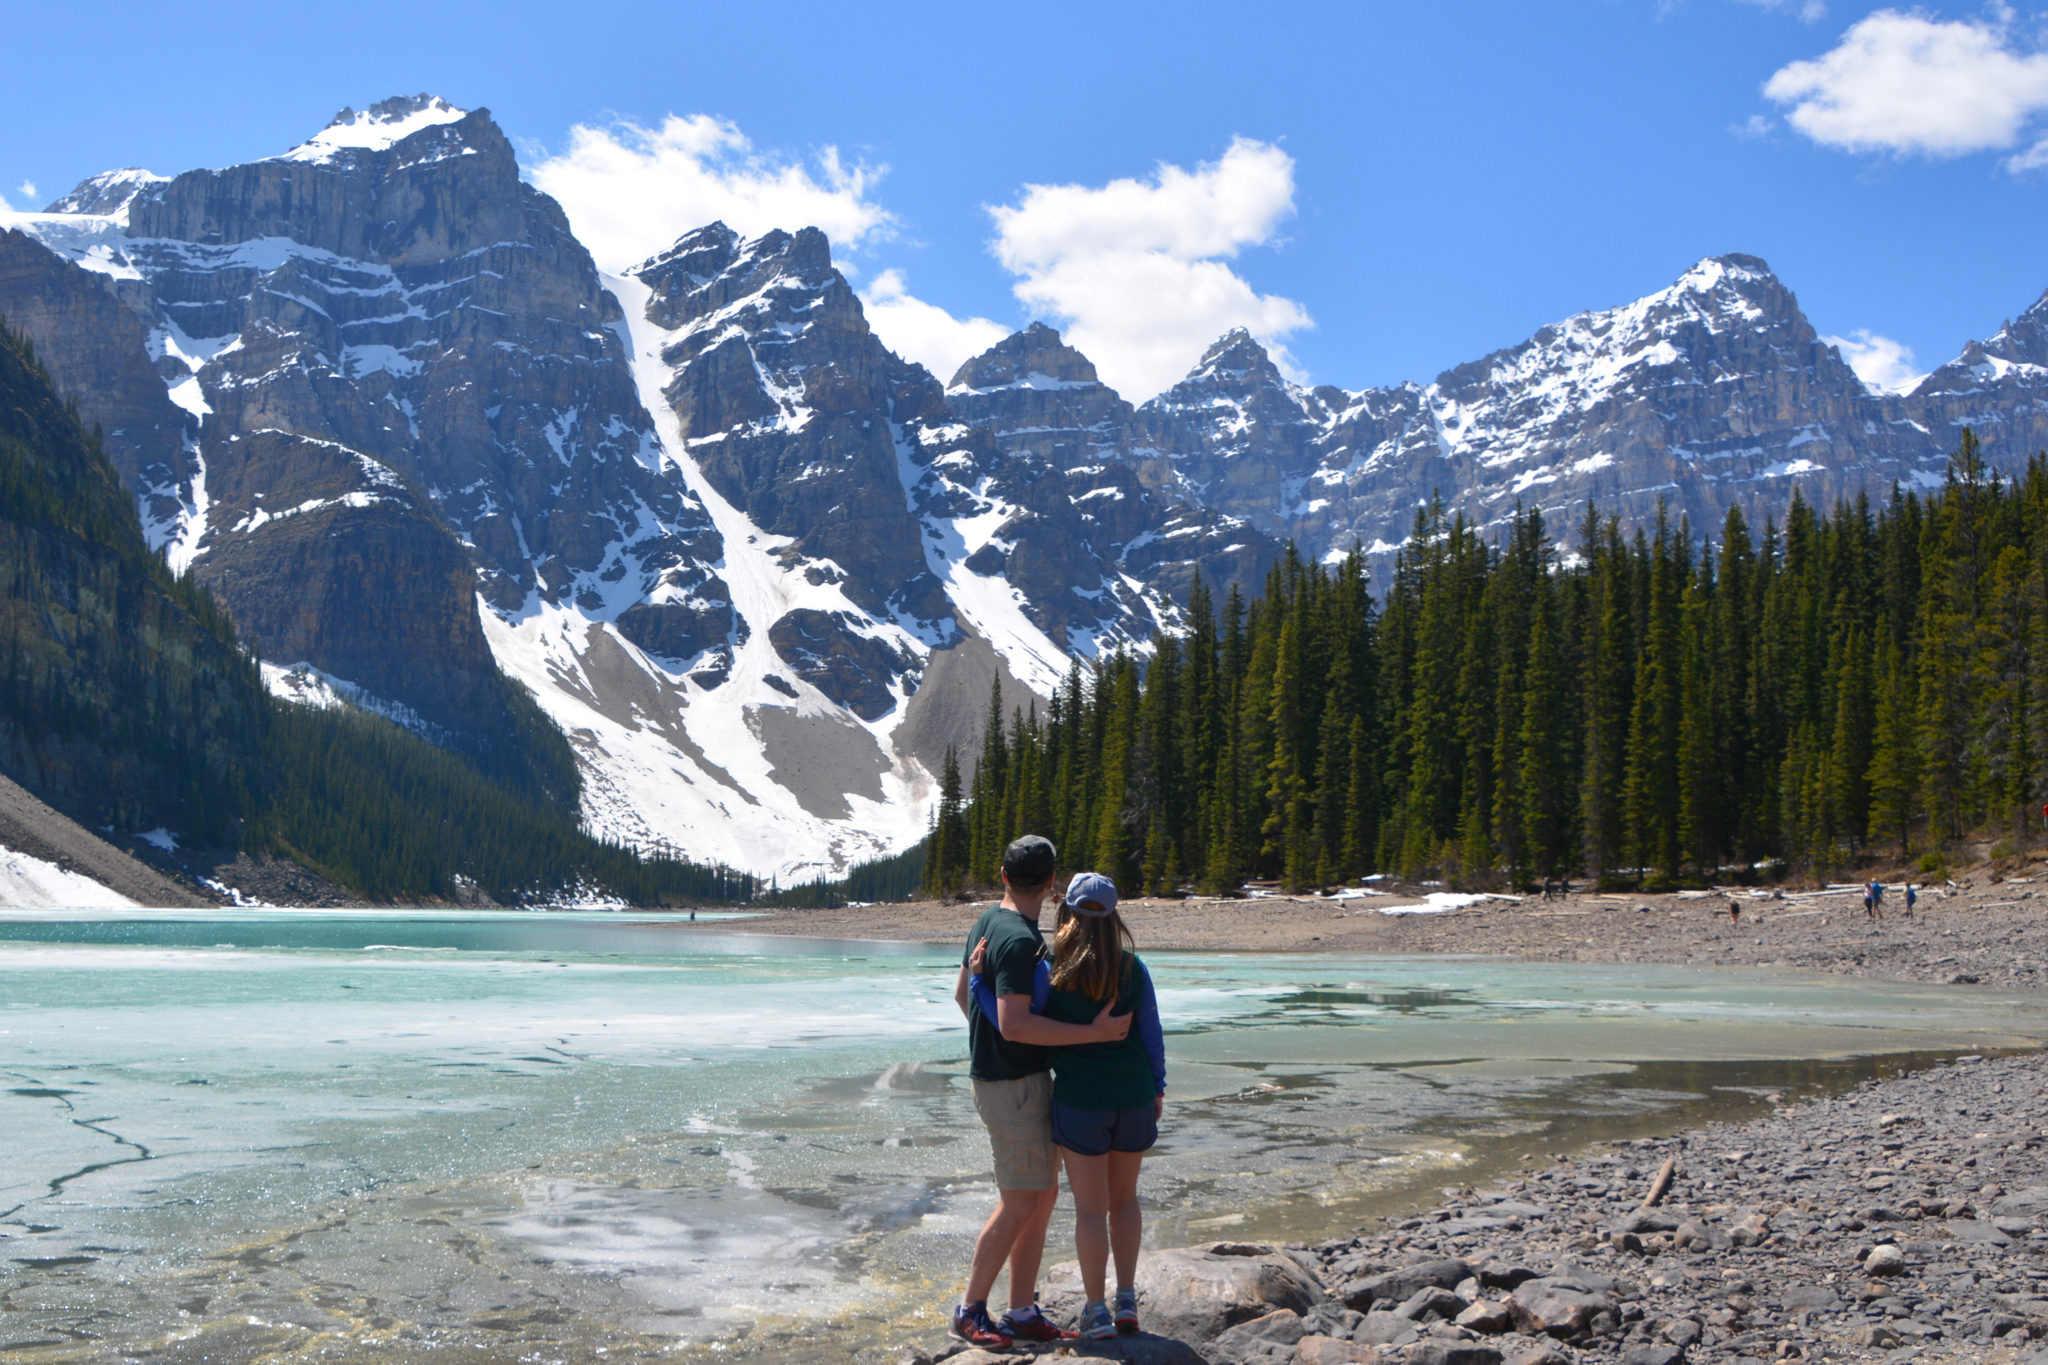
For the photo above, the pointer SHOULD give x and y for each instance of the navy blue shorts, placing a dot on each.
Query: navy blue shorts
(1094, 1132)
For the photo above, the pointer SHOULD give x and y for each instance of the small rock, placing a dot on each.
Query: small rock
(1486, 1318)
(1427, 1304)
(1885, 1259)
(1653, 1353)
(1537, 1353)
(1450, 1353)
(1384, 1329)
(1316, 1350)
(1750, 1230)
(1876, 1336)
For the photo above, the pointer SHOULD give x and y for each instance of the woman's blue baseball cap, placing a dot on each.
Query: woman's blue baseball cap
(1091, 886)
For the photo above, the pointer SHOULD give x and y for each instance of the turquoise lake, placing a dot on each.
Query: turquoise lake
(340, 1135)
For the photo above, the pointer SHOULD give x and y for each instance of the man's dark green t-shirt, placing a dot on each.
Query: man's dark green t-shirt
(1014, 947)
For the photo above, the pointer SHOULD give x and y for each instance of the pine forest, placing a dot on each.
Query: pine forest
(1649, 710)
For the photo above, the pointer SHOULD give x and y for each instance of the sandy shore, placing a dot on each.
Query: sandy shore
(1982, 930)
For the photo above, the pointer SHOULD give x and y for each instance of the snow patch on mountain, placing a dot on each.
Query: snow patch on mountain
(374, 129)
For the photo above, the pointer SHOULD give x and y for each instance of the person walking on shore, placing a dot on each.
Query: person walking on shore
(1008, 1068)
(1107, 1098)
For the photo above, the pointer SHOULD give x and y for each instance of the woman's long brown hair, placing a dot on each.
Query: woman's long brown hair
(1088, 953)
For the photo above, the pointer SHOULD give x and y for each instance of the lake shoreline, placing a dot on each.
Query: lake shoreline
(1978, 931)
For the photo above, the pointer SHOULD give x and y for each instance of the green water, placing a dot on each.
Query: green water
(287, 1135)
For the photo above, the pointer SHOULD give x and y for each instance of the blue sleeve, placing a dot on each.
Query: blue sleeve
(985, 994)
(1146, 1025)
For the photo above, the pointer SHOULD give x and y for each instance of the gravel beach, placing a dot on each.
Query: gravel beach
(1984, 929)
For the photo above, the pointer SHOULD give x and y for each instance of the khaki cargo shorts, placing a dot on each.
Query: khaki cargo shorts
(1018, 1116)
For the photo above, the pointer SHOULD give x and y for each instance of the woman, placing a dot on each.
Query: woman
(1107, 1098)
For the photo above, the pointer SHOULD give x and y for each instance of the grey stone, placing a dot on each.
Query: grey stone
(1395, 1286)
(1554, 1307)
(1430, 1303)
(1486, 1317)
(1451, 1353)
(1653, 1353)
(1385, 1329)
(1282, 1327)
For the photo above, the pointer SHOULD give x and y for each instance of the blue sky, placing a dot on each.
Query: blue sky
(1390, 190)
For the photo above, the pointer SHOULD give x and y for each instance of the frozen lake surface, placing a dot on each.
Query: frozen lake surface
(556, 1136)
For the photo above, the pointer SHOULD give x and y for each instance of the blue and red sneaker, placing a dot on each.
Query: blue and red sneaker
(1028, 1324)
(971, 1324)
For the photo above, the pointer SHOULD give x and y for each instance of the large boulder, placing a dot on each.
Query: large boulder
(1198, 1293)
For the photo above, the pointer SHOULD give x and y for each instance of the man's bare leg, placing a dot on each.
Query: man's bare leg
(1014, 1232)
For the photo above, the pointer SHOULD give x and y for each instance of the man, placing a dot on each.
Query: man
(1013, 1095)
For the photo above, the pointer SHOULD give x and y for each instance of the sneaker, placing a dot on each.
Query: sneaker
(1095, 1322)
(971, 1324)
(1028, 1324)
(1126, 1310)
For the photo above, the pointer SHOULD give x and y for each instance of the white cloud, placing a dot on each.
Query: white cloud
(1133, 266)
(631, 191)
(1906, 83)
(28, 190)
(1881, 363)
(925, 332)
(1751, 128)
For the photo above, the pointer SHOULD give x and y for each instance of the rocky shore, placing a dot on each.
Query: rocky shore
(1904, 1221)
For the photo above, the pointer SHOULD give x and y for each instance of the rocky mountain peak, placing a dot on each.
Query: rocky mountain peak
(1236, 358)
(1036, 357)
(107, 194)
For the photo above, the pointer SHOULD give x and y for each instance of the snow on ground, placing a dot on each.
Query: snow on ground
(28, 883)
(1435, 903)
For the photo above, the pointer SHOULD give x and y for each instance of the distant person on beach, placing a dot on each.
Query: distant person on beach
(1008, 1068)
(1912, 898)
(1107, 1098)
(1734, 911)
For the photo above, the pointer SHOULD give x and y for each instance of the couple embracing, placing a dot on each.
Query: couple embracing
(1068, 1065)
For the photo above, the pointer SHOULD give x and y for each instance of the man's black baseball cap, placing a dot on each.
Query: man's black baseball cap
(1028, 861)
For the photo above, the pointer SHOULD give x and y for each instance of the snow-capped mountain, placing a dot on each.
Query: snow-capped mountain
(1715, 392)
(758, 569)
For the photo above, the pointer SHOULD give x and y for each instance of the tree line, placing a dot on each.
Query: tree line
(1650, 709)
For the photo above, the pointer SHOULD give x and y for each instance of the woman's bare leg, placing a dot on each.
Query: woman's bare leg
(1088, 1177)
(1126, 1219)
